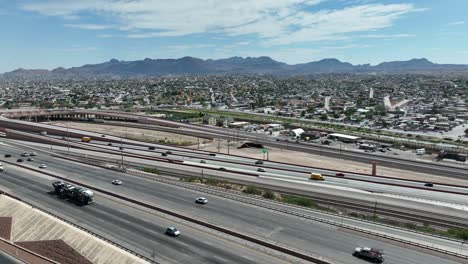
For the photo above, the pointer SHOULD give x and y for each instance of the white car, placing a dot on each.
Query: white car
(1, 168)
(172, 231)
(201, 200)
(42, 166)
(32, 154)
(117, 182)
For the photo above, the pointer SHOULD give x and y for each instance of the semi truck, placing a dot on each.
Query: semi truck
(75, 193)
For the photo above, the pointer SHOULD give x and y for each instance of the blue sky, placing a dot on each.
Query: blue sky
(52, 33)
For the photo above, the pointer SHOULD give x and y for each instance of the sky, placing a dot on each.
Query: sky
(66, 33)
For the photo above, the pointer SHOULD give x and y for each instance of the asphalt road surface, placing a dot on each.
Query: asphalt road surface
(312, 237)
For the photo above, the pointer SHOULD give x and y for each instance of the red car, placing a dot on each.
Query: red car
(339, 174)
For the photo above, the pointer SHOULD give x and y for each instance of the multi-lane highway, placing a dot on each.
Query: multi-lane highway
(132, 226)
(316, 238)
(206, 131)
(440, 193)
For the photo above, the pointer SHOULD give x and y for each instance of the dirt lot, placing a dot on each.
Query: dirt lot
(315, 160)
(133, 133)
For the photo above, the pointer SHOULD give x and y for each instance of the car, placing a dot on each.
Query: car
(24, 154)
(212, 154)
(429, 184)
(32, 154)
(164, 154)
(374, 255)
(339, 174)
(19, 160)
(109, 144)
(172, 231)
(7, 155)
(202, 161)
(30, 159)
(121, 148)
(201, 200)
(103, 135)
(261, 170)
(222, 169)
(117, 182)
(259, 162)
(169, 152)
(396, 154)
(42, 166)
(1, 168)
(151, 148)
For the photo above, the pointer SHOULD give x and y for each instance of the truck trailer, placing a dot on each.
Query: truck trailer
(75, 193)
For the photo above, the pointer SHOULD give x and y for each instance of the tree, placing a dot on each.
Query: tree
(324, 117)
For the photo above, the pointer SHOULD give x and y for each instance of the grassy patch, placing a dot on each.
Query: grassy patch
(251, 189)
(151, 170)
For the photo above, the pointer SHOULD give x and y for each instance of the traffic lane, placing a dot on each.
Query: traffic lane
(314, 238)
(137, 228)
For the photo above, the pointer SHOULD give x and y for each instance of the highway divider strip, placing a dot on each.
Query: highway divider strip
(258, 241)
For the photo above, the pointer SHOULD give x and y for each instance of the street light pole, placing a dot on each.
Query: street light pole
(68, 141)
(121, 152)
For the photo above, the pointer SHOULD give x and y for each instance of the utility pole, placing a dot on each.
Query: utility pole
(219, 146)
(198, 139)
(68, 141)
(121, 153)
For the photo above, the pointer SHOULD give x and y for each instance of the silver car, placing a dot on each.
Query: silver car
(201, 200)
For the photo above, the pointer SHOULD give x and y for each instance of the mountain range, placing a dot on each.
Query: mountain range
(235, 65)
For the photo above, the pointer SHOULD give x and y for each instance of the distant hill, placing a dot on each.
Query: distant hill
(234, 65)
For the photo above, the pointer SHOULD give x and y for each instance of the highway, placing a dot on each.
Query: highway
(316, 238)
(132, 226)
(199, 130)
(405, 189)
(443, 208)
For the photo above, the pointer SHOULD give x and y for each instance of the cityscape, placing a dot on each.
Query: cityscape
(143, 132)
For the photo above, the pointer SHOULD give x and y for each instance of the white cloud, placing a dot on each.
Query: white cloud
(275, 22)
(456, 23)
(388, 36)
(89, 26)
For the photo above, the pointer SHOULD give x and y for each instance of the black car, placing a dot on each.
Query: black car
(151, 148)
(7, 155)
(109, 144)
(212, 154)
(429, 184)
(168, 152)
(261, 170)
(19, 160)
(259, 162)
(30, 159)
(163, 154)
(222, 169)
